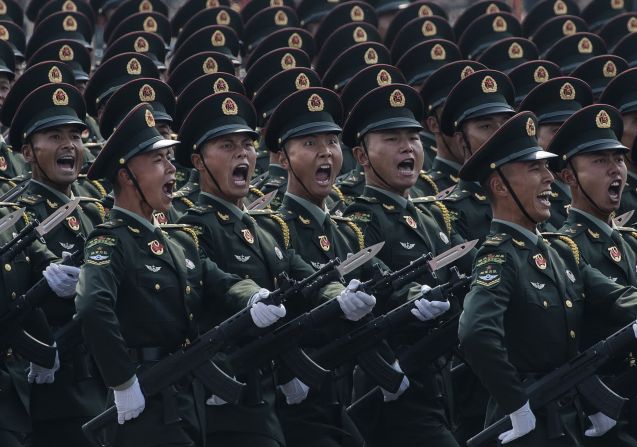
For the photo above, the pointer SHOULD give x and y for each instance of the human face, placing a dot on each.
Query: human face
(163, 127)
(478, 130)
(531, 183)
(81, 86)
(630, 130)
(5, 86)
(545, 134)
(230, 159)
(155, 174)
(397, 157)
(314, 161)
(602, 175)
(56, 155)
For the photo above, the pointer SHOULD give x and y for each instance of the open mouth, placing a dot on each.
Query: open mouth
(66, 162)
(544, 198)
(168, 187)
(615, 190)
(406, 167)
(240, 175)
(323, 174)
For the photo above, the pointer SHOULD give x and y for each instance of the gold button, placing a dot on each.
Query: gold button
(546, 304)
(7, 267)
(191, 316)
(157, 287)
(27, 259)
(569, 303)
(187, 289)
(572, 334)
(247, 276)
(13, 295)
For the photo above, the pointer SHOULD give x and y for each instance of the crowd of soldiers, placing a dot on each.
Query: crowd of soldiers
(201, 211)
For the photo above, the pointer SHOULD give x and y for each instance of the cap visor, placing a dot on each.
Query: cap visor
(489, 109)
(313, 129)
(63, 120)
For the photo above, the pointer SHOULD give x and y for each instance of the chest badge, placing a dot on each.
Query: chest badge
(242, 258)
(189, 264)
(153, 268)
(278, 253)
(410, 221)
(538, 285)
(74, 224)
(615, 254)
(161, 218)
(570, 276)
(247, 235)
(407, 245)
(156, 247)
(324, 242)
(540, 262)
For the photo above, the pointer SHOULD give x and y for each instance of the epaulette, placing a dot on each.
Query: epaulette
(568, 241)
(495, 240)
(338, 193)
(424, 177)
(31, 199)
(285, 214)
(188, 229)
(423, 199)
(275, 181)
(574, 230)
(446, 217)
(366, 199)
(350, 179)
(111, 224)
(256, 191)
(200, 209)
(457, 195)
(100, 188)
(20, 178)
(285, 230)
(360, 237)
(263, 212)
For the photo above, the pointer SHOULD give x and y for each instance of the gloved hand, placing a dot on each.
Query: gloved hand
(62, 278)
(263, 314)
(389, 396)
(215, 400)
(129, 402)
(40, 375)
(428, 310)
(601, 424)
(523, 421)
(355, 305)
(295, 391)
(635, 329)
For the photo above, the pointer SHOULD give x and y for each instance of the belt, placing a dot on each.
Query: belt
(148, 354)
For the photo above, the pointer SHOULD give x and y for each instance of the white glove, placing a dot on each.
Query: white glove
(355, 305)
(129, 402)
(523, 421)
(263, 314)
(40, 375)
(215, 401)
(635, 329)
(601, 424)
(62, 278)
(428, 310)
(295, 391)
(388, 396)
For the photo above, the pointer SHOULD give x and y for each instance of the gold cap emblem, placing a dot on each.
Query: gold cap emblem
(438, 53)
(150, 25)
(466, 71)
(212, 4)
(357, 14)
(584, 46)
(295, 41)
(631, 25)
(3, 7)
(210, 66)
(371, 56)
(55, 75)
(218, 39)
(516, 51)
(145, 6)
(359, 35)
(141, 45)
(429, 28)
(66, 53)
(302, 81)
(69, 24)
(280, 18)
(397, 99)
(276, 3)
(150, 119)
(499, 24)
(530, 127)
(617, 4)
(133, 67)
(315, 103)
(69, 6)
(4, 33)
(489, 85)
(220, 86)
(383, 77)
(603, 120)
(540, 75)
(560, 8)
(223, 18)
(60, 98)
(288, 61)
(567, 92)
(146, 93)
(569, 28)
(229, 107)
(610, 69)
(425, 11)
(492, 8)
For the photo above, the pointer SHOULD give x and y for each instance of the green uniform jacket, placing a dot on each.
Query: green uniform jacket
(470, 210)
(186, 196)
(425, 186)
(629, 197)
(560, 203)
(351, 184)
(443, 174)
(11, 163)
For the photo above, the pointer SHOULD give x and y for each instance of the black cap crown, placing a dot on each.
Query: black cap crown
(70, 52)
(554, 101)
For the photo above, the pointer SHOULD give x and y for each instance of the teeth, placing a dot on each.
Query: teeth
(615, 183)
(545, 194)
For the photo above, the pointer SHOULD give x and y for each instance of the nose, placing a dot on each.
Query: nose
(324, 150)
(548, 175)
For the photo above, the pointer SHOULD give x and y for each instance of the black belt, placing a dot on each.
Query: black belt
(149, 354)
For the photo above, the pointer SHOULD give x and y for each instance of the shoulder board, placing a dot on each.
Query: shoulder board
(338, 218)
(285, 214)
(31, 199)
(424, 199)
(496, 240)
(457, 194)
(89, 199)
(350, 179)
(366, 199)
(571, 230)
(446, 216)
(275, 181)
(263, 212)
(427, 179)
(568, 241)
(360, 237)
(188, 229)
(20, 178)
(628, 230)
(360, 216)
(285, 230)
(111, 224)
(200, 209)
(186, 201)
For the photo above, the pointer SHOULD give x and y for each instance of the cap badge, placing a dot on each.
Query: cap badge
(371, 56)
(530, 127)
(66, 53)
(499, 24)
(55, 75)
(133, 67)
(150, 119)
(429, 28)
(383, 77)
(229, 107)
(145, 6)
(220, 86)
(560, 8)
(210, 66)
(569, 28)
(540, 75)
(67, 6)
(632, 25)
(540, 262)
(302, 81)
(60, 98)
(156, 247)
(489, 85)
(150, 25)
(438, 53)
(280, 18)
(603, 120)
(247, 235)
(516, 51)
(614, 253)
(466, 71)
(223, 18)
(141, 45)
(69, 24)
(146, 93)
(357, 14)
(288, 61)
(324, 242)
(4, 33)
(610, 69)
(315, 103)
(295, 41)
(397, 99)
(492, 8)
(425, 11)
(276, 3)
(212, 4)
(218, 39)
(359, 35)
(567, 92)
(584, 46)
(617, 4)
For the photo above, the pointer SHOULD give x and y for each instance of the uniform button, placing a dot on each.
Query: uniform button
(247, 276)
(191, 316)
(546, 304)
(7, 267)
(569, 303)
(572, 334)
(157, 286)
(27, 259)
(13, 295)
(188, 289)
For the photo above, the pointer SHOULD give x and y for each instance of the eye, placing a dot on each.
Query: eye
(309, 142)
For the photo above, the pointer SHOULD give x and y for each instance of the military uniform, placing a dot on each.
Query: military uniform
(629, 195)
(560, 205)
(470, 210)
(444, 173)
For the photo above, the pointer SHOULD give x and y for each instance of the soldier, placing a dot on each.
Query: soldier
(142, 289)
(523, 315)
(47, 128)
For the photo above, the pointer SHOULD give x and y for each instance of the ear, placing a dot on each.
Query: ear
(459, 142)
(432, 124)
(27, 153)
(283, 159)
(568, 176)
(497, 186)
(123, 178)
(197, 162)
(360, 155)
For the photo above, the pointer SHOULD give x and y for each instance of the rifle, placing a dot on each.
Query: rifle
(194, 359)
(579, 375)
(15, 191)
